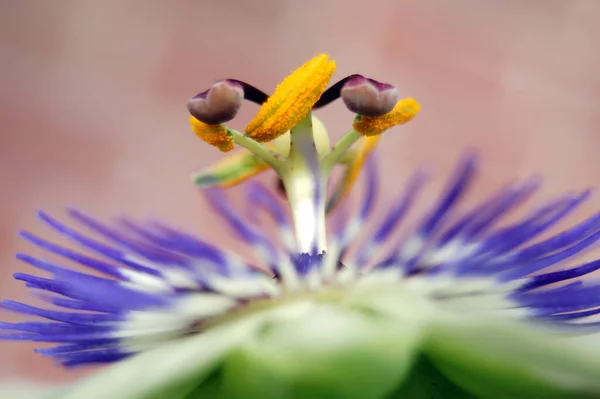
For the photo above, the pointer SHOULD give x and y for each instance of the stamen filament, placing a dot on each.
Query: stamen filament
(272, 158)
(340, 149)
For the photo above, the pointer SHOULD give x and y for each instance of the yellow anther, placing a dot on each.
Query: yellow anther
(292, 100)
(402, 112)
(215, 135)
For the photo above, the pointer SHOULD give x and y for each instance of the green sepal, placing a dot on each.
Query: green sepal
(329, 353)
(514, 360)
(174, 370)
(426, 382)
(19, 389)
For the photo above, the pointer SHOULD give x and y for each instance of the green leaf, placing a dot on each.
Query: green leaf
(515, 360)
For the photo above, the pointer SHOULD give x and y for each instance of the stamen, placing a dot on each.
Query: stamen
(292, 100)
(215, 135)
(403, 112)
(352, 171)
(218, 105)
(231, 171)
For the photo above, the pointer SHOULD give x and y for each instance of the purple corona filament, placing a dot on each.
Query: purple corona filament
(152, 283)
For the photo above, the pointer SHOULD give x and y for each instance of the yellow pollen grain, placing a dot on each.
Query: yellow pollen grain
(292, 100)
(403, 111)
(215, 135)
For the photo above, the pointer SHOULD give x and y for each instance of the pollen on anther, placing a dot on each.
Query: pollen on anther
(292, 100)
(403, 111)
(215, 135)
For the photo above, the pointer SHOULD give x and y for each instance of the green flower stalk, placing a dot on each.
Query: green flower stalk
(341, 304)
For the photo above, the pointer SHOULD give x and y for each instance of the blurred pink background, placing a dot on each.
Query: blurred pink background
(93, 99)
